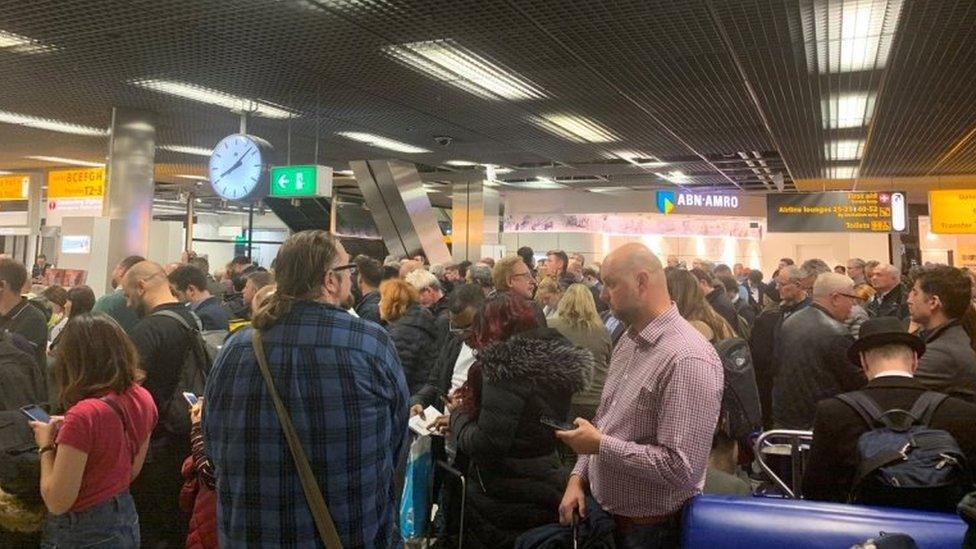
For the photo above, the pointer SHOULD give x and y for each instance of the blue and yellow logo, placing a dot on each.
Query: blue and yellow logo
(665, 201)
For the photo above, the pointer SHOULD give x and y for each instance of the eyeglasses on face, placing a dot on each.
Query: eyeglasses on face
(345, 267)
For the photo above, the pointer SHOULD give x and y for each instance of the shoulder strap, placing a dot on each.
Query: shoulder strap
(865, 407)
(126, 431)
(925, 406)
(179, 318)
(313, 494)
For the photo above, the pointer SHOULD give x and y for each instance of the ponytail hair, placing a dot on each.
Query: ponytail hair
(302, 261)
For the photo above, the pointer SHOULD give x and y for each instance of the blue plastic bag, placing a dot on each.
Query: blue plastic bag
(415, 503)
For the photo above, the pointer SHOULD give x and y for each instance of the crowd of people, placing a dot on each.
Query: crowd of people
(270, 407)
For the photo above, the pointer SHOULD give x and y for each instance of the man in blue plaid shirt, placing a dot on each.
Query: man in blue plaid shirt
(342, 383)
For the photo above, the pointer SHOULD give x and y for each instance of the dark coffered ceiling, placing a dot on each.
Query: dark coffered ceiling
(718, 95)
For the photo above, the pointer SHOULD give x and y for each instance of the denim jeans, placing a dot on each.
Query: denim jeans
(650, 536)
(110, 524)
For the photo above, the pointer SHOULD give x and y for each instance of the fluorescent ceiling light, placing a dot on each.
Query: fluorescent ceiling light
(844, 149)
(852, 35)
(636, 158)
(539, 183)
(68, 161)
(575, 128)
(197, 151)
(848, 110)
(383, 143)
(193, 177)
(608, 190)
(842, 172)
(214, 97)
(4, 172)
(21, 44)
(461, 163)
(347, 173)
(448, 62)
(677, 177)
(48, 124)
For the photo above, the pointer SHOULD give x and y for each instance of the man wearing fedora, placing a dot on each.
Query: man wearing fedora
(888, 355)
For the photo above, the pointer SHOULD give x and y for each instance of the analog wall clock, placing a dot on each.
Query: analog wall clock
(239, 168)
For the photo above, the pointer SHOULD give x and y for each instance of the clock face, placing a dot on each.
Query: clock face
(237, 167)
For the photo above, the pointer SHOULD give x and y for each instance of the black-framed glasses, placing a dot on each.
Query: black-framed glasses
(345, 267)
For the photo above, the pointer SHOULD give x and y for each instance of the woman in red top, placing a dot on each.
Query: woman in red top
(91, 454)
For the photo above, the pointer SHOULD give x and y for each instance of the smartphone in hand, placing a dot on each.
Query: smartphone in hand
(191, 398)
(36, 413)
(556, 424)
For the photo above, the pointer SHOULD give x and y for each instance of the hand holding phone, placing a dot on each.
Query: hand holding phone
(36, 413)
(556, 424)
(191, 398)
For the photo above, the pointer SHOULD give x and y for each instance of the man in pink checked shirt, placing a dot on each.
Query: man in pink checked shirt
(646, 451)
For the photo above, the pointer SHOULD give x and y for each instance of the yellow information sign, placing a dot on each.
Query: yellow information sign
(86, 183)
(953, 211)
(14, 187)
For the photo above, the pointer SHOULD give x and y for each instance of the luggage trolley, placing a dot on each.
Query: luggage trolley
(784, 443)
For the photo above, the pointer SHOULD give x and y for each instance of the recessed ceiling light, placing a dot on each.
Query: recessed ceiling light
(68, 161)
(608, 190)
(448, 62)
(347, 173)
(48, 124)
(214, 97)
(193, 177)
(22, 44)
(575, 128)
(841, 172)
(4, 172)
(197, 151)
(848, 110)
(844, 149)
(638, 159)
(852, 35)
(383, 142)
(461, 163)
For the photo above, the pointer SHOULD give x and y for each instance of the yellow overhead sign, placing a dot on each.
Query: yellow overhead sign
(85, 183)
(953, 211)
(14, 187)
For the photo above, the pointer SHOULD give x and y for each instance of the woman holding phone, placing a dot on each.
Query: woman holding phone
(91, 454)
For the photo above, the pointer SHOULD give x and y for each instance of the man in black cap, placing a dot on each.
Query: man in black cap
(889, 357)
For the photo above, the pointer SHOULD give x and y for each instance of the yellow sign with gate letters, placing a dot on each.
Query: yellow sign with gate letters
(14, 187)
(953, 211)
(86, 183)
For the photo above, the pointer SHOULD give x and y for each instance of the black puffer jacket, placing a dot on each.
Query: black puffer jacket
(415, 336)
(516, 480)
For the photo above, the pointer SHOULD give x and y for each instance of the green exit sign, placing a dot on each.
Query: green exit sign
(301, 181)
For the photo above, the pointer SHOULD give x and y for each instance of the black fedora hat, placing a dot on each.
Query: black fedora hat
(880, 331)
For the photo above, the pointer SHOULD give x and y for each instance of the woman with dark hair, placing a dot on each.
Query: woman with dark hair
(79, 300)
(522, 373)
(687, 295)
(91, 455)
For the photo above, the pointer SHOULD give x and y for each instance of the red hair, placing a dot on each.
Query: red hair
(502, 317)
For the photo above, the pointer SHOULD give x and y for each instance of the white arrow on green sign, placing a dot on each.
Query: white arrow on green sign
(301, 181)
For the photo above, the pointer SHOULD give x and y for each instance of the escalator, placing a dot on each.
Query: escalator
(354, 224)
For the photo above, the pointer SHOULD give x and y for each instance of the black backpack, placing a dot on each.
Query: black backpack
(175, 416)
(902, 462)
(741, 410)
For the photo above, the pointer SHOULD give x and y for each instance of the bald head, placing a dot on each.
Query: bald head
(146, 287)
(635, 285)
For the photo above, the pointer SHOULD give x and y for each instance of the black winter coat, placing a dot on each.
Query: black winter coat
(893, 304)
(949, 363)
(415, 337)
(516, 482)
(439, 377)
(368, 307)
(811, 352)
(720, 302)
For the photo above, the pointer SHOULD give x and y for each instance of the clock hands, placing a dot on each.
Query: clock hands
(240, 161)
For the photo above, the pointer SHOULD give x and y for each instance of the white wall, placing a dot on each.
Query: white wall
(165, 241)
(834, 248)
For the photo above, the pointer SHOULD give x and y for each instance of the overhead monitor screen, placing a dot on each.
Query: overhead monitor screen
(837, 212)
(76, 244)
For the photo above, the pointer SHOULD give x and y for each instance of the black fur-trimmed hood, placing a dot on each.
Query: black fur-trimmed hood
(540, 359)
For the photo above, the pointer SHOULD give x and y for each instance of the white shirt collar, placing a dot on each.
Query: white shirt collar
(894, 373)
